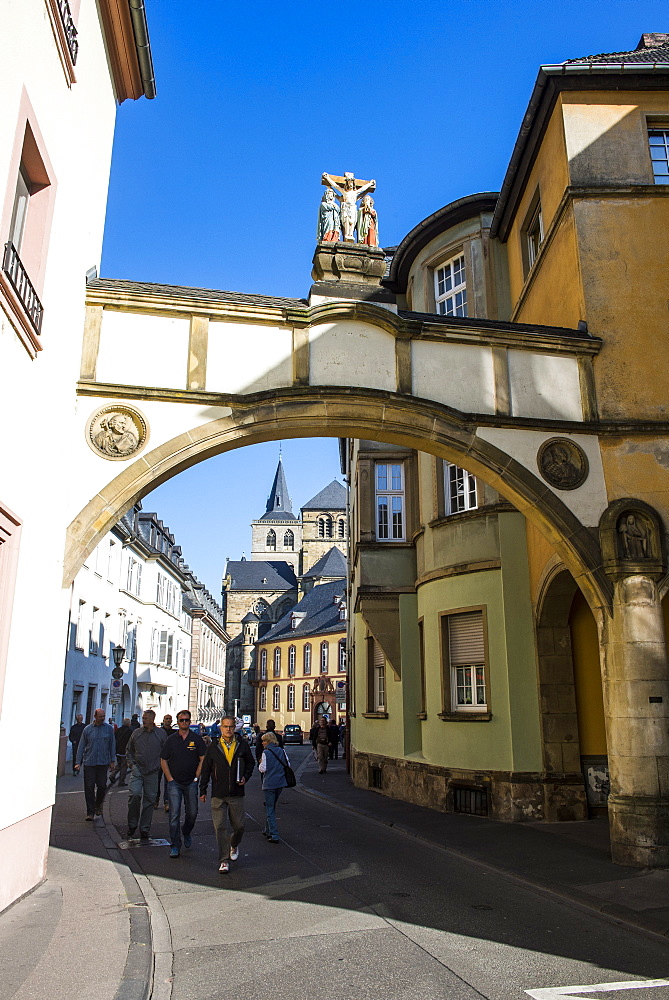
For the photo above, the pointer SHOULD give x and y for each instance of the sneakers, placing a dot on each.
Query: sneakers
(130, 833)
(274, 840)
(90, 818)
(175, 852)
(143, 834)
(188, 840)
(98, 811)
(234, 853)
(224, 867)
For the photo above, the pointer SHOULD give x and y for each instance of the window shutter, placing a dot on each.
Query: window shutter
(379, 658)
(465, 639)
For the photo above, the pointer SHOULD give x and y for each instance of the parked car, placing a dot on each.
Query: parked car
(248, 734)
(293, 734)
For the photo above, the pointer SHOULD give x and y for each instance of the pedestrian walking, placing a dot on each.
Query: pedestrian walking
(166, 724)
(229, 764)
(97, 753)
(321, 744)
(134, 722)
(74, 737)
(143, 754)
(333, 740)
(272, 768)
(181, 761)
(271, 728)
(122, 735)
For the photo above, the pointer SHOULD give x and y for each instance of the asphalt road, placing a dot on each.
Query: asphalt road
(346, 909)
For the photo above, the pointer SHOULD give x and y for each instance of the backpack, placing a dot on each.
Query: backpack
(288, 772)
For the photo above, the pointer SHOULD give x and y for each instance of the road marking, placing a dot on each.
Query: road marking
(571, 992)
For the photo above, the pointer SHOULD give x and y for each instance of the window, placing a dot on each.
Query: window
(658, 140)
(291, 698)
(306, 658)
(165, 645)
(306, 698)
(534, 235)
(377, 679)
(389, 502)
(341, 646)
(289, 540)
(262, 702)
(134, 576)
(292, 655)
(276, 698)
(450, 287)
(459, 489)
(94, 634)
(341, 528)
(421, 664)
(81, 627)
(277, 662)
(324, 657)
(263, 664)
(325, 526)
(464, 642)
(270, 541)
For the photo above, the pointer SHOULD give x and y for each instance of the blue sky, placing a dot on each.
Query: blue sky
(216, 183)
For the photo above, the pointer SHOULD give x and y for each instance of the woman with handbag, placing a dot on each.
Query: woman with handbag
(272, 767)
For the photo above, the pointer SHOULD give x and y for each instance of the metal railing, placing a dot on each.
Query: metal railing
(22, 285)
(69, 28)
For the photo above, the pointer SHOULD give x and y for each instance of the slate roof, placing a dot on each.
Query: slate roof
(321, 614)
(333, 497)
(332, 564)
(644, 54)
(186, 292)
(246, 574)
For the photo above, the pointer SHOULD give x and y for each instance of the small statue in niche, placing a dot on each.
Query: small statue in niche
(349, 194)
(368, 230)
(115, 437)
(329, 220)
(633, 537)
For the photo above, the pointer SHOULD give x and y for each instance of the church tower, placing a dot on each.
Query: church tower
(277, 535)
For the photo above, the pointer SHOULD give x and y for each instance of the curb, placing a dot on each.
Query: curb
(615, 912)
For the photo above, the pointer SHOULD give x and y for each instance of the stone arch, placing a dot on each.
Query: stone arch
(358, 413)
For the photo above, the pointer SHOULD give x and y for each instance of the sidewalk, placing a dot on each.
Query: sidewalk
(570, 860)
(84, 932)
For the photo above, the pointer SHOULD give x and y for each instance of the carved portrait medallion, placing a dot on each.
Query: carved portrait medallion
(117, 432)
(562, 463)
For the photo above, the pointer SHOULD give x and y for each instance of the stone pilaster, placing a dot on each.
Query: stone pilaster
(350, 271)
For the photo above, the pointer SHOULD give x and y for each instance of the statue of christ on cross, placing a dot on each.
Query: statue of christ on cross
(349, 191)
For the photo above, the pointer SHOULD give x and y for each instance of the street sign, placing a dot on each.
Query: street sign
(246, 719)
(117, 672)
(574, 992)
(115, 698)
(116, 685)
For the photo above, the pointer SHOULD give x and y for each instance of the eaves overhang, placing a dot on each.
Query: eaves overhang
(551, 81)
(126, 36)
(431, 227)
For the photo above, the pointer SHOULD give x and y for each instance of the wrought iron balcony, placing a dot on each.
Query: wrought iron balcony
(69, 29)
(22, 285)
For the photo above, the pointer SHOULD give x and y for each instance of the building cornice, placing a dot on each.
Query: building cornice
(128, 48)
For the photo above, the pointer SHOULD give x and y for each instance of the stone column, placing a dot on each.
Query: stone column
(636, 701)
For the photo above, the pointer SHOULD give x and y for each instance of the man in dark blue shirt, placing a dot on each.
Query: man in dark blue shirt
(181, 761)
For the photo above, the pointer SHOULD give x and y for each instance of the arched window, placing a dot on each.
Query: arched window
(307, 658)
(325, 526)
(306, 698)
(292, 655)
(341, 528)
(263, 664)
(291, 698)
(271, 540)
(289, 540)
(324, 657)
(277, 661)
(276, 698)
(262, 707)
(342, 655)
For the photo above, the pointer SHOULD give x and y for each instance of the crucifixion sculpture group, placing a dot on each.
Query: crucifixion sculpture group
(340, 217)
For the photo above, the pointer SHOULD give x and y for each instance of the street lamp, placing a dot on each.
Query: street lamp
(118, 652)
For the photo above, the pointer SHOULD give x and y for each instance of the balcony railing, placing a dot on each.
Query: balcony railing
(69, 29)
(22, 285)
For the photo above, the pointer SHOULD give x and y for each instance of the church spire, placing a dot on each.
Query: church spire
(278, 498)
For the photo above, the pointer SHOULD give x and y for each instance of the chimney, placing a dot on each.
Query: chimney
(653, 40)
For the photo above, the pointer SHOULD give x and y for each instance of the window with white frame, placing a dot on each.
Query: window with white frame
(80, 630)
(342, 655)
(263, 664)
(306, 698)
(306, 658)
(277, 662)
(292, 656)
(534, 235)
(389, 501)
(377, 686)
(165, 648)
(291, 698)
(459, 489)
(134, 576)
(262, 701)
(94, 634)
(325, 648)
(464, 642)
(276, 698)
(658, 141)
(450, 287)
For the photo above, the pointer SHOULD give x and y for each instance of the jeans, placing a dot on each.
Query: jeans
(75, 747)
(231, 809)
(161, 777)
(121, 769)
(177, 794)
(271, 798)
(95, 774)
(143, 789)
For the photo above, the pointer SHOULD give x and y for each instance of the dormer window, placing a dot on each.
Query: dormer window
(450, 287)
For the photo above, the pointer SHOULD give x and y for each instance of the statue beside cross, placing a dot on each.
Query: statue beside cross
(346, 216)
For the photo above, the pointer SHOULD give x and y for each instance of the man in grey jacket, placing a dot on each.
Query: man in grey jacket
(143, 756)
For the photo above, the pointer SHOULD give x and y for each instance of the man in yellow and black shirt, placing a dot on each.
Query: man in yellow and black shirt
(229, 764)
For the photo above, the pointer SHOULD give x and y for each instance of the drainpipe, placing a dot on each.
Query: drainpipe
(143, 46)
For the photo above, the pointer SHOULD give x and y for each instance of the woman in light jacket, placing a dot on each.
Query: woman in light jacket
(273, 780)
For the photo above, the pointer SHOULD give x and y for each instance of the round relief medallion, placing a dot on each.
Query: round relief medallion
(562, 463)
(117, 432)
